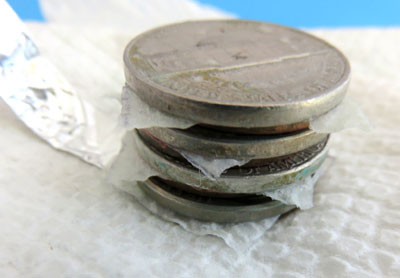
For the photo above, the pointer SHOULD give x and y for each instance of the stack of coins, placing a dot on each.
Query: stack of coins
(252, 89)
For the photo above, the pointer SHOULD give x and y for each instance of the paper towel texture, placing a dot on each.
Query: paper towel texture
(58, 216)
(238, 236)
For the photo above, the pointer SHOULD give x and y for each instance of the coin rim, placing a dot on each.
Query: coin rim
(246, 115)
(252, 147)
(227, 184)
(212, 213)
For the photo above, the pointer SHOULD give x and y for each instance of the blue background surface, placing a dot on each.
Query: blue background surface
(27, 9)
(305, 13)
(314, 13)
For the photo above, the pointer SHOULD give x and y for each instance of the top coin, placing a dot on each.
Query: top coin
(236, 73)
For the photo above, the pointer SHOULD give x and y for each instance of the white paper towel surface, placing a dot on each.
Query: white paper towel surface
(58, 217)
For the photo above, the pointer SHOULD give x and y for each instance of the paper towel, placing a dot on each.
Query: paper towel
(59, 218)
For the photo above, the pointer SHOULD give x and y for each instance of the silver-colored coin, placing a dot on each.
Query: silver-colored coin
(213, 209)
(224, 145)
(273, 175)
(236, 73)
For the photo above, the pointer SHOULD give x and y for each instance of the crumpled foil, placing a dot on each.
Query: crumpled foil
(40, 96)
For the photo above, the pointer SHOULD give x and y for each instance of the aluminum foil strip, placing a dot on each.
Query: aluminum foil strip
(40, 96)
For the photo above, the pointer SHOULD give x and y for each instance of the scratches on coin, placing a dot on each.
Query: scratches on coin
(244, 65)
(239, 56)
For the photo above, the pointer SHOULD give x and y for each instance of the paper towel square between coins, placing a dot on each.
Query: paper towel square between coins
(137, 114)
(129, 167)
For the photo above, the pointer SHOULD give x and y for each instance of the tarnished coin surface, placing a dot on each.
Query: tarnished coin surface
(241, 209)
(236, 73)
(273, 175)
(225, 145)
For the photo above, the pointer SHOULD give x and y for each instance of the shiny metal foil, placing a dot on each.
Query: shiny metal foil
(40, 96)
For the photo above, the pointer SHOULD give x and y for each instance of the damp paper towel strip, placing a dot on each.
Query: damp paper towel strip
(211, 167)
(301, 193)
(239, 236)
(138, 114)
(40, 96)
(129, 167)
